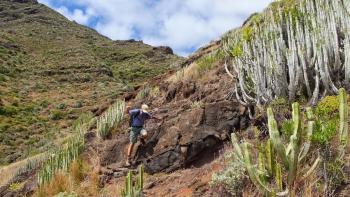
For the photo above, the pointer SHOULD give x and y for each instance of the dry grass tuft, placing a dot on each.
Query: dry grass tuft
(187, 73)
(77, 171)
(60, 183)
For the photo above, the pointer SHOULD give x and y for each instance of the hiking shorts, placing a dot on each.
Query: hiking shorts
(134, 133)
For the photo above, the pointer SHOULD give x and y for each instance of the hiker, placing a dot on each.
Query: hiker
(137, 122)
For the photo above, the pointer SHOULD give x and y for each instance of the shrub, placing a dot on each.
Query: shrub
(8, 110)
(154, 91)
(335, 173)
(57, 115)
(61, 106)
(287, 128)
(232, 178)
(324, 131)
(85, 118)
(327, 107)
(205, 64)
(78, 104)
(44, 103)
(196, 104)
(145, 92)
(15, 186)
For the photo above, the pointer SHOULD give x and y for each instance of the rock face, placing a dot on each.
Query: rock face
(187, 133)
(183, 138)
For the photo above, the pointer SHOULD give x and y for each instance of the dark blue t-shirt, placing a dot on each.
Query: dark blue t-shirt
(140, 119)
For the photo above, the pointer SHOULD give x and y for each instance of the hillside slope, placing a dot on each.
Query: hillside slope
(201, 106)
(52, 70)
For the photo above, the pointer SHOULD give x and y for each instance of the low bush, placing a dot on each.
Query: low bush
(325, 131)
(61, 106)
(57, 115)
(233, 178)
(196, 104)
(205, 64)
(8, 110)
(15, 186)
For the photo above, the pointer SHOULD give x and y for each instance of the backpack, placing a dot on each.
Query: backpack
(132, 117)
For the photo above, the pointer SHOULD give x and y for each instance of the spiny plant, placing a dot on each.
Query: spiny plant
(61, 159)
(148, 92)
(275, 158)
(30, 165)
(110, 119)
(295, 46)
(132, 190)
(145, 92)
(343, 121)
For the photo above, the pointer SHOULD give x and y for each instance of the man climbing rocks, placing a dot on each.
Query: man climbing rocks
(138, 118)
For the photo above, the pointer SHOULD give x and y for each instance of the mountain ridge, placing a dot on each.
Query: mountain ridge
(52, 70)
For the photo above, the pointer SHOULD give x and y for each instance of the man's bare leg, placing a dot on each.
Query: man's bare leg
(131, 146)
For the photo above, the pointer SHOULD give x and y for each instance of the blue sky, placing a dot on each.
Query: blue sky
(184, 25)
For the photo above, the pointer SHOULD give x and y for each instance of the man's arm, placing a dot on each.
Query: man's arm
(156, 118)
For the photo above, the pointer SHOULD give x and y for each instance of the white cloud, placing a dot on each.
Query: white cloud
(182, 24)
(77, 15)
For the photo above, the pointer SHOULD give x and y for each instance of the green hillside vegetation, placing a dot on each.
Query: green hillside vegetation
(52, 70)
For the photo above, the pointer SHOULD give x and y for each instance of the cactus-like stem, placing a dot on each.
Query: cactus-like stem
(275, 137)
(343, 114)
(310, 128)
(270, 157)
(129, 189)
(252, 171)
(238, 151)
(140, 179)
(278, 176)
(132, 190)
(261, 165)
(312, 168)
(295, 141)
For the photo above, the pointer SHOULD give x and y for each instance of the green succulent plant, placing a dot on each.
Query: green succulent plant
(131, 189)
(274, 158)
